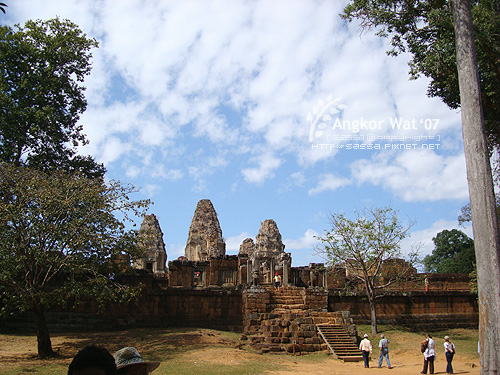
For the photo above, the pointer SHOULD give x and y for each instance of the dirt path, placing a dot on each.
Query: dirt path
(406, 365)
(402, 364)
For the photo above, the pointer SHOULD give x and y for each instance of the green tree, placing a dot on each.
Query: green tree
(58, 234)
(453, 252)
(425, 29)
(363, 245)
(42, 69)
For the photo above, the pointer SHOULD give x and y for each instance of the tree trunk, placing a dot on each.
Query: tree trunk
(373, 315)
(42, 331)
(370, 293)
(482, 197)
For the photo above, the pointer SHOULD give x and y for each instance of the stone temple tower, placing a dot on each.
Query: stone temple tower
(205, 236)
(268, 240)
(150, 238)
(268, 255)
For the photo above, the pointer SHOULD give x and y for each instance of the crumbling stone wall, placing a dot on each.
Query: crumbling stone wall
(271, 332)
(417, 310)
(218, 308)
(221, 271)
(231, 308)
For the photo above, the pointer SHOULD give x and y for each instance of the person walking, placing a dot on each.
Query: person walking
(429, 355)
(449, 352)
(383, 345)
(366, 349)
(277, 281)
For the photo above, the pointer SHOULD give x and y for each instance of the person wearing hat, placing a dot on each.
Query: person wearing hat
(366, 349)
(383, 345)
(449, 351)
(277, 281)
(129, 362)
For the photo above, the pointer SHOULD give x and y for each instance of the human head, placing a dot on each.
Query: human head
(365, 336)
(129, 361)
(446, 338)
(382, 336)
(276, 273)
(92, 360)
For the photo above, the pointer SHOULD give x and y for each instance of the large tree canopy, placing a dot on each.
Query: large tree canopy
(364, 245)
(58, 234)
(424, 28)
(453, 252)
(42, 69)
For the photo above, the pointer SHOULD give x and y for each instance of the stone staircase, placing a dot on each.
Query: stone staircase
(339, 342)
(287, 300)
(287, 319)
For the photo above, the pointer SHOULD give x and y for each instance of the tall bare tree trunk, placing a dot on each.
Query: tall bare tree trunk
(42, 330)
(370, 293)
(373, 315)
(482, 197)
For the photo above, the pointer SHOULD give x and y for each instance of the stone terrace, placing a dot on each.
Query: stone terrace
(285, 319)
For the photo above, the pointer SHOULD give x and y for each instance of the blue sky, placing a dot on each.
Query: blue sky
(270, 109)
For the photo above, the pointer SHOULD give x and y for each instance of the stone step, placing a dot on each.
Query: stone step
(298, 306)
(351, 358)
(339, 342)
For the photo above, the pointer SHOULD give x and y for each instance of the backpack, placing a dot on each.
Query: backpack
(423, 346)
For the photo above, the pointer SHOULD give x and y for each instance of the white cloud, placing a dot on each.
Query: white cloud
(132, 171)
(168, 174)
(415, 175)
(175, 250)
(329, 182)
(152, 134)
(113, 149)
(205, 168)
(307, 241)
(233, 243)
(267, 163)
(152, 189)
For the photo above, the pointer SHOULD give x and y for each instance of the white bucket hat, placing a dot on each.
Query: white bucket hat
(130, 356)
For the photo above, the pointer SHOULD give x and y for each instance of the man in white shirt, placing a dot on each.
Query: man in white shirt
(429, 355)
(366, 349)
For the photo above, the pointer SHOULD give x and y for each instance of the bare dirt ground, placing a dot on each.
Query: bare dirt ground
(213, 347)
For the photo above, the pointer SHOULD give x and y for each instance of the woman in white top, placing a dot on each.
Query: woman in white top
(429, 355)
(449, 351)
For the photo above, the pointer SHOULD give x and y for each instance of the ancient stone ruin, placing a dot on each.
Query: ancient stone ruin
(269, 256)
(206, 286)
(150, 239)
(205, 236)
(316, 309)
(247, 247)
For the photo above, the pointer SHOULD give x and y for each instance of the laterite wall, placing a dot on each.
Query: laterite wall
(420, 311)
